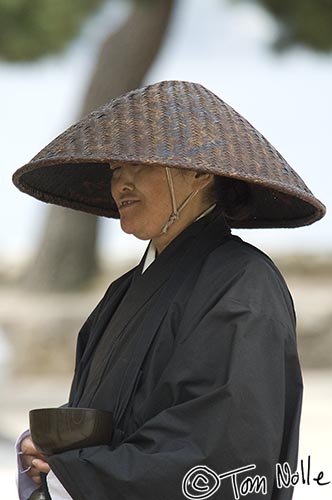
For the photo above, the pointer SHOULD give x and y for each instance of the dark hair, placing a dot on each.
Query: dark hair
(232, 196)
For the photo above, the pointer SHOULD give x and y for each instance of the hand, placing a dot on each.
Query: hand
(30, 457)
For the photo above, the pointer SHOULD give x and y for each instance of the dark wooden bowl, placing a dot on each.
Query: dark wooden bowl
(54, 430)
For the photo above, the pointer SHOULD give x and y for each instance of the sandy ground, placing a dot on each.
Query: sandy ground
(316, 428)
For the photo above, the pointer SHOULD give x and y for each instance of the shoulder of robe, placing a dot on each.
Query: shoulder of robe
(237, 272)
(119, 281)
(110, 290)
(84, 332)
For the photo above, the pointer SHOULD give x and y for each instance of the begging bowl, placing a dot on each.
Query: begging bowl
(54, 430)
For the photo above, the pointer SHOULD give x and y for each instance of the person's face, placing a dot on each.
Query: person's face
(142, 196)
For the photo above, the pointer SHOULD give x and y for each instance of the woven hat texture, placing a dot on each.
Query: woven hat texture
(175, 124)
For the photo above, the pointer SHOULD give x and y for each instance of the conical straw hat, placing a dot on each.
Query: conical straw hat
(175, 124)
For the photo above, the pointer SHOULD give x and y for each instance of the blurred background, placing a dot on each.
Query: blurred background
(269, 59)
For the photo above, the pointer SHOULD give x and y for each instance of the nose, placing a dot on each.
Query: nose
(122, 180)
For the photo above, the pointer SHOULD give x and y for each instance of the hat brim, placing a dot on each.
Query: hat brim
(86, 186)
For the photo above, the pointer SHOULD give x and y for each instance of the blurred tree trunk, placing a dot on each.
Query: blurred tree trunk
(67, 256)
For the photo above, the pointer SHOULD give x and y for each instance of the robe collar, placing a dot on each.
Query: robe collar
(151, 253)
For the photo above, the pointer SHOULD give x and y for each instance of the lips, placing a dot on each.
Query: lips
(126, 203)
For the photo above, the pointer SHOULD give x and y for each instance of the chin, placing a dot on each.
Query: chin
(138, 233)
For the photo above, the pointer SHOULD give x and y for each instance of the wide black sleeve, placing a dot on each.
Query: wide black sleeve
(229, 397)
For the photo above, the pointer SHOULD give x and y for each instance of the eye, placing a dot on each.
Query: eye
(115, 171)
(139, 167)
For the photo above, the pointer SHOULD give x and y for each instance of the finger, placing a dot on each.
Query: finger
(41, 465)
(27, 447)
(37, 480)
(34, 474)
(26, 460)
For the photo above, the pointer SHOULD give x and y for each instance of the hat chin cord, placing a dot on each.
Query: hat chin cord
(175, 215)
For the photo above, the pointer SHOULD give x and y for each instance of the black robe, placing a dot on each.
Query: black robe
(197, 360)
